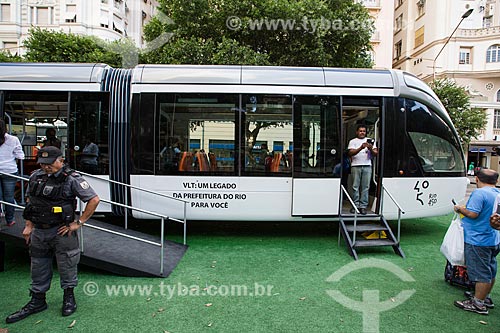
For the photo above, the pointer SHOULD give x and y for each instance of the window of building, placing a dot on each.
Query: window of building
(498, 96)
(419, 36)
(70, 13)
(118, 24)
(420, 8)
(493, 54)
(496, 119)
(487, 21)
(464, 57)
(398, 48)
(10, 46)
(104, 19)
(399, 23)
(4, 12)
(42, 15)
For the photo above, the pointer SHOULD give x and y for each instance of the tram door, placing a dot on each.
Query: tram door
(316, 152)
(88, 131)
(366, 111)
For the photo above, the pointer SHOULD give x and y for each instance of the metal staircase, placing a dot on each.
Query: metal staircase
(368, 230)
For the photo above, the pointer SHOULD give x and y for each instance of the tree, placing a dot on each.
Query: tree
(6, 56)
(52, 46)
(468, 121)
(333, 33)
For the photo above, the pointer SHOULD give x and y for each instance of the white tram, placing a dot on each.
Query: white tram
(241, 142)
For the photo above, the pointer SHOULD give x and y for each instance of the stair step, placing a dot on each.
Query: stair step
(374, 242)
(361, 217)
(366, 227)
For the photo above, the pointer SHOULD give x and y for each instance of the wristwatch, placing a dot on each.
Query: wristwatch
(79, 222)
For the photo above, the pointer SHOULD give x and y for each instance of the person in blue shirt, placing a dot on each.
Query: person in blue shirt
(481, 241)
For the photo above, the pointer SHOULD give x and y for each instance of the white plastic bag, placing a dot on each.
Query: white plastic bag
(453, 242)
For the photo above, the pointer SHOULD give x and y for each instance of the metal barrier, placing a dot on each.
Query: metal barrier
(143, 190)
(162, 217)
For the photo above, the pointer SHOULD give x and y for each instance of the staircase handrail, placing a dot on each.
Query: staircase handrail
(162, 235)
(139, 189)
(400, 210)
(163, 217)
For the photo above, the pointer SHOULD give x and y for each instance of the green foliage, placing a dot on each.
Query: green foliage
(6, 56)
(50, 46)
(468, 121)
(333, 33)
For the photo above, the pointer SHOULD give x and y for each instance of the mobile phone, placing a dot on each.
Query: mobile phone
(498, 208)
(370, 141)
(453, 202)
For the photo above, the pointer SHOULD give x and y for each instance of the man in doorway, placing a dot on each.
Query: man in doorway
(361, 151)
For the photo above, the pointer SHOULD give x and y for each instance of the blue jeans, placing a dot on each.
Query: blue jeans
(7, 188)
(362, 175)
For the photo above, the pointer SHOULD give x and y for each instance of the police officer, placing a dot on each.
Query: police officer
(51, 229)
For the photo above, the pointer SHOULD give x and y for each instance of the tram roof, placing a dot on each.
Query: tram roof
(262, 75)
(52, 72)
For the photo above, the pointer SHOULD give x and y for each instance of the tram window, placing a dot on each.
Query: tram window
(436, 145)
(267, 119)
(196, 133)
(33, 112)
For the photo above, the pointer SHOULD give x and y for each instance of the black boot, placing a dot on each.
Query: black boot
(37, 304)
(69, 303)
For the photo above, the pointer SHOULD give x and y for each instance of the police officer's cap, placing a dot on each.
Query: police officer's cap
(47, 155)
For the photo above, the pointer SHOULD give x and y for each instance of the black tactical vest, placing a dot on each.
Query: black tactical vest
(47, 204)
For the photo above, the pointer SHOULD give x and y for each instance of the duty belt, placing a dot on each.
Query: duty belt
(47, 226)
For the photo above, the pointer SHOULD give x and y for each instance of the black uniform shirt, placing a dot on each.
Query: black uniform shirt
(75, 185)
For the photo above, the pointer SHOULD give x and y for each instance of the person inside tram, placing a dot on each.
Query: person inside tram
(265, 159)
(361, 150)
(306, 145)
(170, 154)
(89, 156)
(51, 139)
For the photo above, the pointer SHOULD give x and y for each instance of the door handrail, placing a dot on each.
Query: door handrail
(356, 212)
(400, 210)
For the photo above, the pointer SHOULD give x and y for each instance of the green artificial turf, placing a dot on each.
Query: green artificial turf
(293, 260)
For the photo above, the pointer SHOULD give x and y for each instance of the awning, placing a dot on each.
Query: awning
(476, 150)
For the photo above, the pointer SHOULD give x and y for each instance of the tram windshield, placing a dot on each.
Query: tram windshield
(435, 143)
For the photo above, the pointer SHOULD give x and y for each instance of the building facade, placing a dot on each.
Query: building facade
(382, 13)
(422, 46)
(106, 19)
